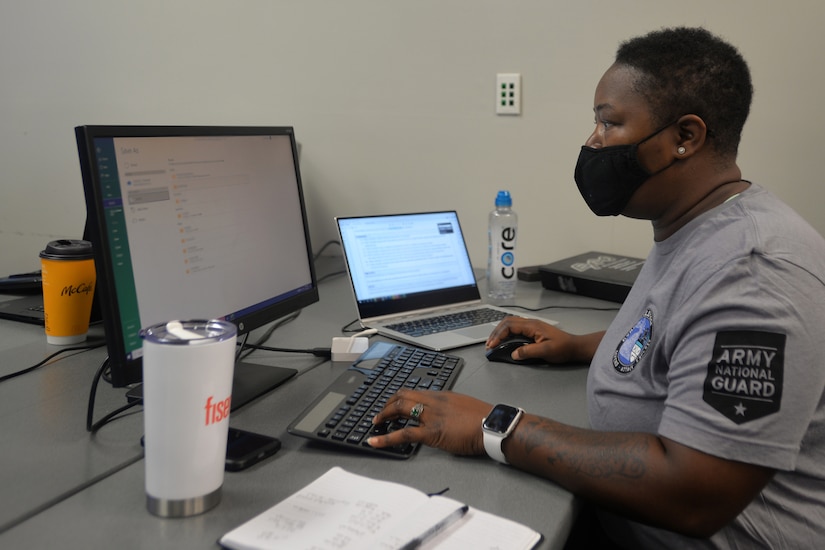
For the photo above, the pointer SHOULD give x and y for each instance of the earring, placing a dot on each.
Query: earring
(681, 150)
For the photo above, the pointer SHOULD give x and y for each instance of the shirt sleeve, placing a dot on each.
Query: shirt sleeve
(745, 374)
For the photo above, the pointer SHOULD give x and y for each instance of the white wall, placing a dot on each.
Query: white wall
(393, 102)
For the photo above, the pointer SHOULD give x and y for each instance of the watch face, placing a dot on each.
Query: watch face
(500, 418)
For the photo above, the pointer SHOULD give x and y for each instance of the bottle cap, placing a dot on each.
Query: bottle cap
(503, 199)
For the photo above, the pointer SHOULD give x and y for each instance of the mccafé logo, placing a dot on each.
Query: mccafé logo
(217, 411)
(82, 288)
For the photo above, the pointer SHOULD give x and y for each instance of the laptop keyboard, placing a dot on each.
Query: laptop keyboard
(349, 423)
(449, 321)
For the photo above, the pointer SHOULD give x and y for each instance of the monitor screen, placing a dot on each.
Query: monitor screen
(194, 223)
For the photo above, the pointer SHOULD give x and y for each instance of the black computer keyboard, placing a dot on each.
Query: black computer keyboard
(342, 414)
(449, 321)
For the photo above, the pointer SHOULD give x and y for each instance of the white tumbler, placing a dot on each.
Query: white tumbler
(187, 394)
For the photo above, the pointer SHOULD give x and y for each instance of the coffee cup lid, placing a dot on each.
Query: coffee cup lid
(68, 249)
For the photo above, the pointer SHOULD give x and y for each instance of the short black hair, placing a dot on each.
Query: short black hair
(691, 71)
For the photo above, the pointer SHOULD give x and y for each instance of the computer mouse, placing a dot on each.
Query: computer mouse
(502, 353)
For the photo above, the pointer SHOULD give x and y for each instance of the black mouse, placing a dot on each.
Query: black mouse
(503, 351)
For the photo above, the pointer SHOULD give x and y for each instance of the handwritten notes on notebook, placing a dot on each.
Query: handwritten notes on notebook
(341, 511)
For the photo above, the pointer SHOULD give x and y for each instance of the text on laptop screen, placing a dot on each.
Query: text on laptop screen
(391, 257)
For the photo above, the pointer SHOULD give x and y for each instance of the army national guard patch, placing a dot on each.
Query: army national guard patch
(744, 380)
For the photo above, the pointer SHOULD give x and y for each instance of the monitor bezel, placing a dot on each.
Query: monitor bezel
(125, 371)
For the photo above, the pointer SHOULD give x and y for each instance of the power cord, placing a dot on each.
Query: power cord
(47, 359)
(91, 426)
(326, 245)
(265, 336)
(346, 329)
(317, 352)
(318, 255)
(331, 275)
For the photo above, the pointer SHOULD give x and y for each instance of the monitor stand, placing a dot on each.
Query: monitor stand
(249, 382)
(252, 380)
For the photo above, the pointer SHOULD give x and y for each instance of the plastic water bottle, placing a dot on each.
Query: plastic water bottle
(501, 262)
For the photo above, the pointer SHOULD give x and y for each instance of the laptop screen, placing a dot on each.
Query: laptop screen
(407, 259)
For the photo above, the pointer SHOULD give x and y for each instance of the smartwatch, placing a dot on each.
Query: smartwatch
(499, 424)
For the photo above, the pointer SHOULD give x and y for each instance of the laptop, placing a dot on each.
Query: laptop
(26, 304)
(408, 270)
(26, 309)
(24, 301)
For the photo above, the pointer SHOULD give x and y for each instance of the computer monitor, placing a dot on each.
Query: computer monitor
(202, 222)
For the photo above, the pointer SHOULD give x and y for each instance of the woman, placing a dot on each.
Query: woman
(705, 394)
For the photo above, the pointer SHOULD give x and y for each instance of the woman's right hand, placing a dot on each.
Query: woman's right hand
(550, 344)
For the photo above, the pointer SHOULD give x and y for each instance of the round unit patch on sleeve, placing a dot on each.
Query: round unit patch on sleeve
(744, 380)
(634, 345)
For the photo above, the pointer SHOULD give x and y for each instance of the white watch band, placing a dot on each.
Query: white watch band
(492, 445)
(493, 441)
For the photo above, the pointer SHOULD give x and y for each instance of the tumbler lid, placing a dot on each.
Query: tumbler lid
(198, 331)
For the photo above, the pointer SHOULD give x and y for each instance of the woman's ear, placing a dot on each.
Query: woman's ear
(693, 133)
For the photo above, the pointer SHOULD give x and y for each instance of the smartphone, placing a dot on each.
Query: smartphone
(243, 449)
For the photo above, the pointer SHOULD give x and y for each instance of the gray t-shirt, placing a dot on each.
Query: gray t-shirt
(720, 346)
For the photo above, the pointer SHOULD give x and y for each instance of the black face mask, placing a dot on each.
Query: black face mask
(607, 177)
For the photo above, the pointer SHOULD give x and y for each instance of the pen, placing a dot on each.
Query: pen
(435, 529)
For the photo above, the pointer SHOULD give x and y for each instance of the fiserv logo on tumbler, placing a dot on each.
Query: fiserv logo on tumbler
(217, 410)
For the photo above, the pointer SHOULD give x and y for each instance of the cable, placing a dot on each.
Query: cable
(346, 328)
(326, 244)
(265, 336)
(93, 427)
(241, 346)
(331, 275)
(278, 324)
(318, 255)
(317, 352)
(47, 359)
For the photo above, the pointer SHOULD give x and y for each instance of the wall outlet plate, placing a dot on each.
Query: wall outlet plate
(508, 94)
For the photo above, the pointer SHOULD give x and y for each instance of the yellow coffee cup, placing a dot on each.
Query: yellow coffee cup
(68, 272)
